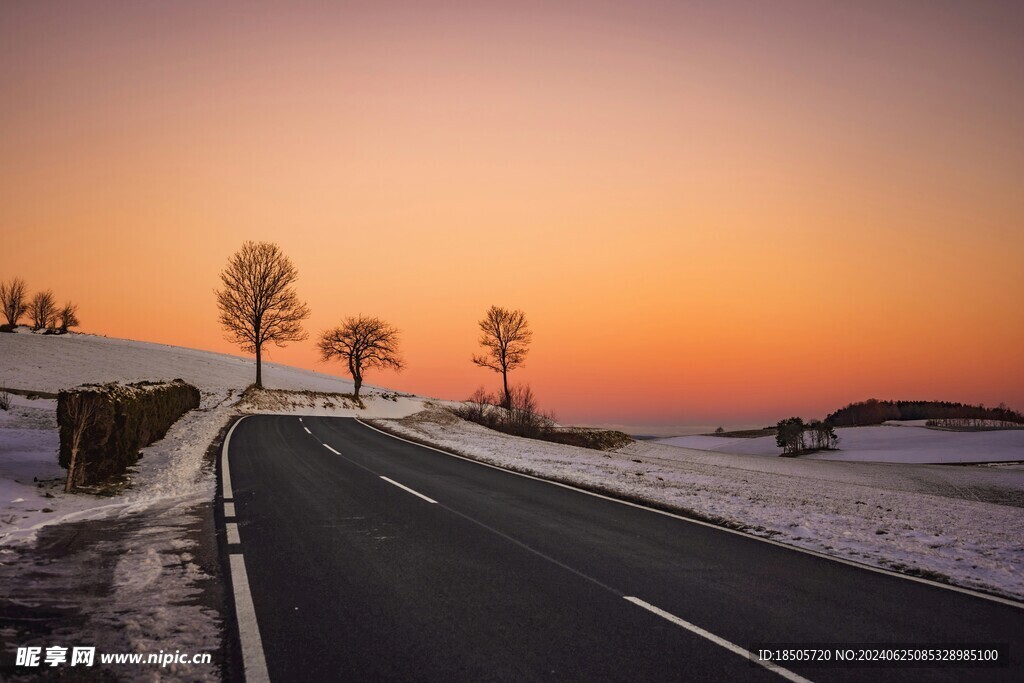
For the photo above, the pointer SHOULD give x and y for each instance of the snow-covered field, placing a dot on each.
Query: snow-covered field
(906, 442)
(962, 523)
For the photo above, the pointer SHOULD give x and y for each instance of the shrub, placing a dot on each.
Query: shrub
(523, 418)
(105, 426)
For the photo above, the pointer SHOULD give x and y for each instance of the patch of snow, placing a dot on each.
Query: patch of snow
(128, 584)
(139, 588)
(171, 468)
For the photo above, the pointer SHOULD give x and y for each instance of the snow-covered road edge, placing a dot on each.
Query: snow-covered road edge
(171, 470)
(136, 572)
(965, 543)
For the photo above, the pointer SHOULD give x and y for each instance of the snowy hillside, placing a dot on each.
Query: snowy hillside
(897, 442)
(54, 362)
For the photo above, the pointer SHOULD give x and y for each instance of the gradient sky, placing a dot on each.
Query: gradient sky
(710, 212)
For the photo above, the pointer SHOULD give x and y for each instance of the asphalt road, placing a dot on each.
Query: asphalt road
(371, 558)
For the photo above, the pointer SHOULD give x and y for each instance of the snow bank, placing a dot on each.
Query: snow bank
(32, 483)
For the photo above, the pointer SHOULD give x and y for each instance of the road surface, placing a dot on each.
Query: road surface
(367, 557)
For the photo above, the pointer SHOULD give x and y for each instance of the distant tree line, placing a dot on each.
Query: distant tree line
(874, 412)
(41, 309)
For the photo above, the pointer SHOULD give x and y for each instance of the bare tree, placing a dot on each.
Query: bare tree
(67, 317)
(362, 342)
(12, 299)
(42, 309)
(258, 303)
(506, 336)
(82, 414)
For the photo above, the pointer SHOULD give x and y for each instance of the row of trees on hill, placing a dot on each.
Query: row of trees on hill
(258, 305)
(873, 412)
(41, 309)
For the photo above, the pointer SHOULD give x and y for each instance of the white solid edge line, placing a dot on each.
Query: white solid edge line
(225, 471)
(332, 450)
(253, 660)
(229, 509)
(233, 537)
(805, 551)
(406, 488)
(722, 642)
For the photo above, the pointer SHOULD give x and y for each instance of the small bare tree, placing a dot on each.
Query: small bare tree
(82, 414)
(362, 342)
(258, 303)
(506, 336)
(12, 299)
(42, 309)
(67, 317)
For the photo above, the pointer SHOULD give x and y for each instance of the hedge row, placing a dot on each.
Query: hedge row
(123, 418)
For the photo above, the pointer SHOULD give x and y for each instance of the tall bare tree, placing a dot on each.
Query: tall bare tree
(506, 336)
(12, 299)
(67, 317)
(362, 342)
(42, 309)
(82, 414)
(258, 303)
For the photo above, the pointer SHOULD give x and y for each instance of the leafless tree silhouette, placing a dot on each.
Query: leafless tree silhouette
(82, 414)
(12, 299)
(67, 317)
(362, 342)
(258, 303)
(506, 336)
(42, 309)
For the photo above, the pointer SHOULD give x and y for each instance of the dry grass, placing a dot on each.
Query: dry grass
(282, 399)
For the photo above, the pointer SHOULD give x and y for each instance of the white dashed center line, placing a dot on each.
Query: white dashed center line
(693, 628)
(406, 488)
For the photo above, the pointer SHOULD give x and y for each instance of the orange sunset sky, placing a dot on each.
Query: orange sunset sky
(711, 213)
